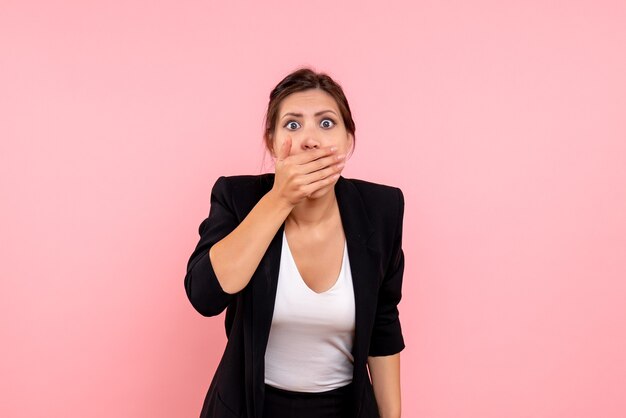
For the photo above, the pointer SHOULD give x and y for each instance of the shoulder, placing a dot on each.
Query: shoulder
(250, 185)
(241, 192)
(371, 190)
(383, 203)
(378, 197)
(246, 182)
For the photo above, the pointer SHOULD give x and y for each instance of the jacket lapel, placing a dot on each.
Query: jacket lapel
(263, 299)
(366, 272)
(364, 259)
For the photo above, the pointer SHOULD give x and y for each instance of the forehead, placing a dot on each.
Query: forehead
(308, 101)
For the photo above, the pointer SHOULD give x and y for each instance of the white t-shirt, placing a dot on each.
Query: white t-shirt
(311, 337)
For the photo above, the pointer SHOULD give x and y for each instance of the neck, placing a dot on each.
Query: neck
(313, 212)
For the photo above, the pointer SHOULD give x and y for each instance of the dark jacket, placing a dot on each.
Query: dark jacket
(372, 216)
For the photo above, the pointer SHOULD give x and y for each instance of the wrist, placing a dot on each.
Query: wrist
(278, 202)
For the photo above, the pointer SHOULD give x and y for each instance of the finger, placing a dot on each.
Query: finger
(306, 157)
(321, 163)
(311, 188)
(285, 149)
(323, 174)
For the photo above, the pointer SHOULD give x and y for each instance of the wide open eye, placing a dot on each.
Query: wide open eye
(290, 125)
(327, 123)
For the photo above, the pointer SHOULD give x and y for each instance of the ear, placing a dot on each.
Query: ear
(272, 152)
(350, 141)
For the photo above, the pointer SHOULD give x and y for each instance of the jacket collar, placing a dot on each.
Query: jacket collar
(356, 223)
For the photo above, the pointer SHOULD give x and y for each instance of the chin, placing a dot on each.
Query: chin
(322, 192)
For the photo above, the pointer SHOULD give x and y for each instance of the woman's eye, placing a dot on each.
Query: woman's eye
(328, 123)
(292, 124)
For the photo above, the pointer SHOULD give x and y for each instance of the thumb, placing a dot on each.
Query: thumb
(285, 149)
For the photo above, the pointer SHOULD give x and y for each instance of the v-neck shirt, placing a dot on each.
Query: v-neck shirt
(311, 336)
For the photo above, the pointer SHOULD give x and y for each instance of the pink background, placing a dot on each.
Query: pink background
(503, 122)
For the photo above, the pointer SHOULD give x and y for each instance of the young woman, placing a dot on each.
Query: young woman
(308, 265)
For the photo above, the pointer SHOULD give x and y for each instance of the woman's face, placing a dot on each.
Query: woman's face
(312, 119)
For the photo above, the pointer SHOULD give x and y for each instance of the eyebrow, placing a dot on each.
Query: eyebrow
(299, 115)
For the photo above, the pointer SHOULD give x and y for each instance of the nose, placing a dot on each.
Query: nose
(310, 142)
(309, 145)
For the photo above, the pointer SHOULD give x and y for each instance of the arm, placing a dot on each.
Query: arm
(211, 261)
(236, 257)
(385, 374)
(387, 340)
(201, 284)
(230, 251)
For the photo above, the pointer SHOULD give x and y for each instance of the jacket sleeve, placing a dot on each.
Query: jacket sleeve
(387, 336)
(201, 284)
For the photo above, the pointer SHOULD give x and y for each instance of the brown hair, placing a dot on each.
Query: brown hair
(299, 80)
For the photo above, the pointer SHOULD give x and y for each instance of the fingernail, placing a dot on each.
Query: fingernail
(341, 157)
(333, 149)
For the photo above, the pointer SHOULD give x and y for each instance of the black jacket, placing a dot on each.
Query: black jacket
(372, 216)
